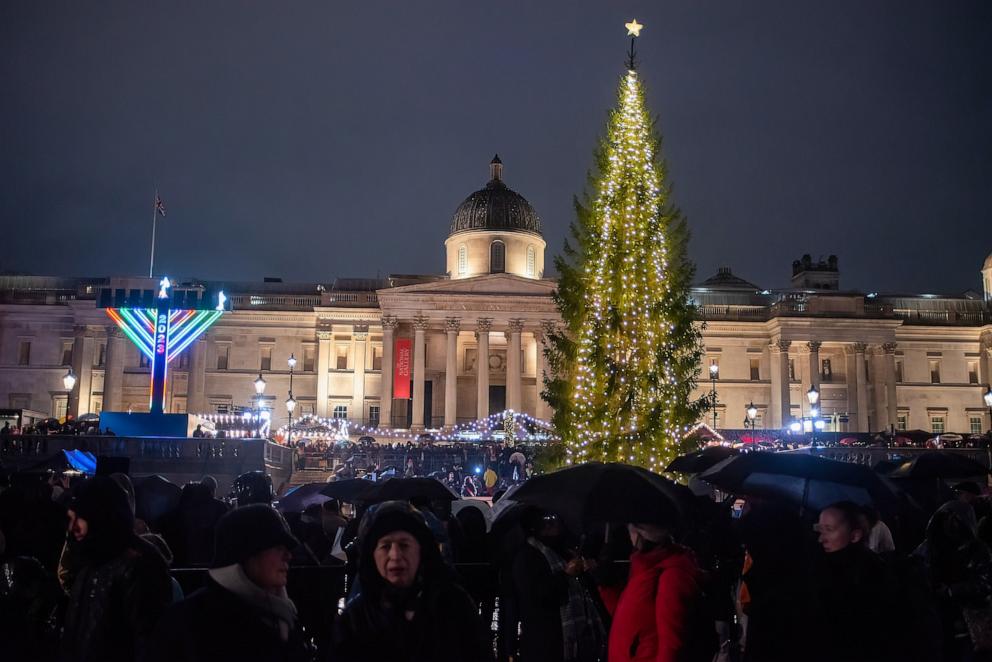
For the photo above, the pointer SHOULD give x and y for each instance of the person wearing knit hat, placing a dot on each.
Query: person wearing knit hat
(409, 608)
(121, 586)
(244, 612)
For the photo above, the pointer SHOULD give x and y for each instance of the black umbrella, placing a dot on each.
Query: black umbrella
(701, 460)
(155, 497)
(300, 497)
(349, 489)
(807, 481)
(595, 493)
(937, 464)
(404, 489)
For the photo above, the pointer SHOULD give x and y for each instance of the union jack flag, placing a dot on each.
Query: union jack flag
(159, 206)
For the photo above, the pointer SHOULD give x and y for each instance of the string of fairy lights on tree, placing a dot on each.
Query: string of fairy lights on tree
(636, 347)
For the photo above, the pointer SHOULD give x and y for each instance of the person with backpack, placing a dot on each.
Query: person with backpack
(661, 615)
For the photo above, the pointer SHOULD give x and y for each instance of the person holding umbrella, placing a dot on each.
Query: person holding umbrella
(661, 614)
(559, 621)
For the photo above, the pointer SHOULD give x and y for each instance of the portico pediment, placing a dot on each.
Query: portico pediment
(487, 285)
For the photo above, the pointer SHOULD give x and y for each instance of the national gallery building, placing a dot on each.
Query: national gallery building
(432, 351)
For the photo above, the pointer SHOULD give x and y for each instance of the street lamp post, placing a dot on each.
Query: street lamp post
(259, 390)
(813, 396)
(69, 379)
(752, 413)
(290, 401)
(714, 373)
(988, 403)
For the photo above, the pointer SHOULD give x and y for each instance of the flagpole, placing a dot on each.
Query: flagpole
(151, 264)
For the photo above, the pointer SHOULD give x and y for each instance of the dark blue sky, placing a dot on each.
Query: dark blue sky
(314, 139)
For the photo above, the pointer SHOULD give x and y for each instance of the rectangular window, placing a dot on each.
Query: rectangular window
(101, 354)
(223, 354)
(937, 424)
(934, 372)
(902, 422)
(341, 411)
(24, 353)
(972, 372)
(792, 370)
(306, 408)
(826, 371)
(67, 352)
(308, 355)
(342, 357)
(96, 405)
(179, 406)
(899, 370)
(143, 361)
(755, 370)
(975, 423)
(183, 361)
(60, 405)
(377, 357)
(374, 416)
(265, 358)
(462, 260)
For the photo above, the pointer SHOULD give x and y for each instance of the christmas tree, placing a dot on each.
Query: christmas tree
(625, 363)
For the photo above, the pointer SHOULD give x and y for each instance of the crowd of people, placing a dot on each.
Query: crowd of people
(84, 577)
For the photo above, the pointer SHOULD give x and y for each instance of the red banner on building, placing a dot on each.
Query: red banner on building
(403, 368)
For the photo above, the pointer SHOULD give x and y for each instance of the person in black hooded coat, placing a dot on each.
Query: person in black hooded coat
(122, 584)
(409, 609)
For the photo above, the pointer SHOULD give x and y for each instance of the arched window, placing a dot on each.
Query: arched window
(462, 260)
(531, 267)
(497, 257)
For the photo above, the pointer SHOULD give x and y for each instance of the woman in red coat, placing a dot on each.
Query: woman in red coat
(661, 616)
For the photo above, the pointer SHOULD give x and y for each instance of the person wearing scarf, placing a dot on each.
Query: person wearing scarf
(243, 613)
(559, 618)
(409, 608)
(120, 586)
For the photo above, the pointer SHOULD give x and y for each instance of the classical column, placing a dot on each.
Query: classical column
(985, 359)
(814, 363)
(543, 411)
(196, 402)
(419, 355)
(861, 385)
(781, 404)
(513, 371)
(482, 366)
(360, 335)
(451, 327)
(113, 370)
(323, 367)
(82, 366)
(389, 324)
(892, 404)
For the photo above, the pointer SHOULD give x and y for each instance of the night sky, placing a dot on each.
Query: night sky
(321, 139)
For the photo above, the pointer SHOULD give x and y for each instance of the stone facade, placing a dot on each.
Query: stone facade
(478, 331)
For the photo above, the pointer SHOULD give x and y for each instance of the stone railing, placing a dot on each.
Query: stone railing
(944, 317)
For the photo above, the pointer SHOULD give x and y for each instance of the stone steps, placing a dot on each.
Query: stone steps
(304, 476)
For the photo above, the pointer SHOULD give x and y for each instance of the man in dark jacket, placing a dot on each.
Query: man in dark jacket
(409, 609)
(122, 583)
(189, 529)
(243, 614)
(559, 619)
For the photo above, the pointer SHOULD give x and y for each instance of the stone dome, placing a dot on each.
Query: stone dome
(496, 207)
(988, 263)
